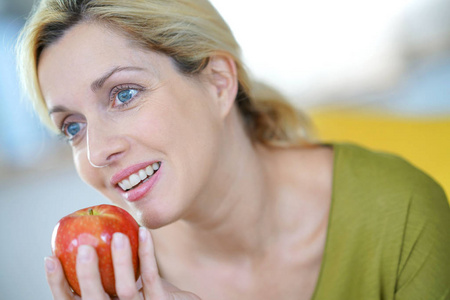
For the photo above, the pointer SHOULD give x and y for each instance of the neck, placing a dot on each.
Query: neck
(232, 217)
(238, 220)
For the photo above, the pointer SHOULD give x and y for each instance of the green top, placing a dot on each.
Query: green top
(388, 233)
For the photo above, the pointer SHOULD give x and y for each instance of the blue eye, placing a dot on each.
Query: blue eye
(72, 129)
(126, 95)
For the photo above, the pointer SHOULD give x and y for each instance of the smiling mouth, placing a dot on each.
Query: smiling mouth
(140, 176)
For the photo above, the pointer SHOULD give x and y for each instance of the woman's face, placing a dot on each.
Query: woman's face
(142, 134)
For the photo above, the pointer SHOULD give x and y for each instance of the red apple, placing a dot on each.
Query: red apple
(94, 226)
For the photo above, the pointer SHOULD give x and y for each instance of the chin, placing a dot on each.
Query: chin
(153, 222)
(153, 217)
(153, 211)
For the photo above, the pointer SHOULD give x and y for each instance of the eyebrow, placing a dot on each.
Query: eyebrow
(57, 109)
(97, 84)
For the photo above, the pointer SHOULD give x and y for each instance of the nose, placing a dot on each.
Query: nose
(104, 146)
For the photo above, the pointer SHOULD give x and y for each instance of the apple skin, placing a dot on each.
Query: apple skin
(94, 226)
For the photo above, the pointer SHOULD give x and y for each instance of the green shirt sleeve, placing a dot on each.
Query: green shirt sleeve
(388, 233)
(424, 266)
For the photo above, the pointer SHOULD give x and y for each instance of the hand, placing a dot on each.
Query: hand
(153, 286)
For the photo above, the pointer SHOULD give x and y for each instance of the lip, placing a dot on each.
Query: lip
(125, 173)
(142, 189)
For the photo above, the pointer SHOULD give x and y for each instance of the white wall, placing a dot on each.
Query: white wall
(313, 50)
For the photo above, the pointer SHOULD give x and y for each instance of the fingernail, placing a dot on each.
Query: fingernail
(142, 234)
(84, 253)
(50, 265)
(118, 240)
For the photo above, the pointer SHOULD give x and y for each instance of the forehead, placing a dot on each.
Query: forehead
(86, 51)
(83, 42)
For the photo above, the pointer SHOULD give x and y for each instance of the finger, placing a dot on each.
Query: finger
(89, 274)
(151, 281)
(126, 288)
(57, 281)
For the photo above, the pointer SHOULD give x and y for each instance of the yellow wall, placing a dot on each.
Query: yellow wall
(423, 142)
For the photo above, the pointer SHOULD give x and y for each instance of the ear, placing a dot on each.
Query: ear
(223, 77)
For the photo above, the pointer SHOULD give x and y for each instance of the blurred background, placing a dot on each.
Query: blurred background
(373, 72)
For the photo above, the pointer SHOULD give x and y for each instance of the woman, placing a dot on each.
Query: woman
(163, 120)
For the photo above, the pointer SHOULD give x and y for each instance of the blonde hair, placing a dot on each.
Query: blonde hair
(189, 31)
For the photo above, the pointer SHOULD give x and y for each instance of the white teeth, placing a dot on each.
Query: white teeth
(125, 184)
(142, 174)
(149, 171)
(122, 186)
(136, 178)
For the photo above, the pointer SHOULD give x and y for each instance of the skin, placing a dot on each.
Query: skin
(229, 219)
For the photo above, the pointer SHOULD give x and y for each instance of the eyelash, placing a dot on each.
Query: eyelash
(65, 137)
(120, 88)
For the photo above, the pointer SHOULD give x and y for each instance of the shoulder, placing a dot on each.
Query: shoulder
(404, 199)
(384, 206)
(383, 183)
(380, 172)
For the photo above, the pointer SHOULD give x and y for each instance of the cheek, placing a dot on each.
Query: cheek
(187, 127)
(95, 178)
(190, 131)
(86, 172)
(161, 124)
